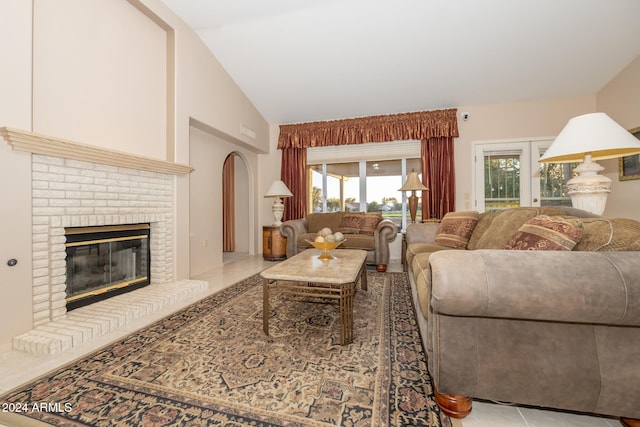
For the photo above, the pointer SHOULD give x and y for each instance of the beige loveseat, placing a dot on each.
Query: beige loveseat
(549, 328)
(361, 230)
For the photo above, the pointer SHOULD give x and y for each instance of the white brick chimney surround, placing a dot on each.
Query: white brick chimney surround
(69, 189)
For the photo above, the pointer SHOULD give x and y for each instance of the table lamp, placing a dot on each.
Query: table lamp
(278, 189)
(413, 184)
(586, 138)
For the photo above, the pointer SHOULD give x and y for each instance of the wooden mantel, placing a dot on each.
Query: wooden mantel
(56, 147)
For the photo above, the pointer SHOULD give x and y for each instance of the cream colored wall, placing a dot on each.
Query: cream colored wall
(103, 75)
(15, 172)
(540, 118)
(208, 153)
(620, 99)
(97, 82)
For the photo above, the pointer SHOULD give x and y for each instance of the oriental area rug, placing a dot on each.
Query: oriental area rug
(211, 364)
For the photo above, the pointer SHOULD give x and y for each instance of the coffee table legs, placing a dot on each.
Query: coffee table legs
(363, 277)
(346, 313)
(345, 301)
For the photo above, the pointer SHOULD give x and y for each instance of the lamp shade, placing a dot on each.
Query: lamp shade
(278, 189)
(413, 183)
(596, 134)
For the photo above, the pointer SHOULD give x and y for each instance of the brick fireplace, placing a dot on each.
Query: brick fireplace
(75, 185)
(71, 193)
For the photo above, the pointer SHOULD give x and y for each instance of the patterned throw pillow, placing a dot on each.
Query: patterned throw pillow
(370, 222)
(351, 223)
(545, 233)
(456, 228)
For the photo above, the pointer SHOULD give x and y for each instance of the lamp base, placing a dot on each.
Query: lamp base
(588, 190)
(413, 206)
(278, 211)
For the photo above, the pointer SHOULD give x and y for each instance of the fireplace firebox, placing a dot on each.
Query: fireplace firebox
(105, 261)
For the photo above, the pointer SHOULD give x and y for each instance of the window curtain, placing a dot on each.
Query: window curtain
(438, 175)
(437, 128)
(228, 205)
(293, 172)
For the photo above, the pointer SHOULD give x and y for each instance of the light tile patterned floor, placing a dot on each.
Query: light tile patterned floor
(18, 367)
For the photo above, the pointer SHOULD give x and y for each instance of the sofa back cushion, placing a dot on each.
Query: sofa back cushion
(351, 222)
(320, 220)
(609, 234)
(455, 229)
(502, 225)
(370, 222)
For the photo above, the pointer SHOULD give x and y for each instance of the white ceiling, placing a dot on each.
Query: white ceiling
(309, 60)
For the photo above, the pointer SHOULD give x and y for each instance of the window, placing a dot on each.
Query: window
(362, 178)
(363, 186)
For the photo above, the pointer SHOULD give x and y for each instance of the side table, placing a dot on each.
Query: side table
(274, 244)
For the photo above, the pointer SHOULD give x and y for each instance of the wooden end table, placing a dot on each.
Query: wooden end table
(305, 275)
(274, 244)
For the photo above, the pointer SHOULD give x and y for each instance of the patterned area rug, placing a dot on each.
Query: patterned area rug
(211, 364)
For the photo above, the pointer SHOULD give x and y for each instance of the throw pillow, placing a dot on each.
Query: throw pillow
(545, 233)
(370, 222)
(456, 228)
(351, 223)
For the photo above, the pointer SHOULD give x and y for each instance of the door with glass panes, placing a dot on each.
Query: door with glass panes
(507, 175)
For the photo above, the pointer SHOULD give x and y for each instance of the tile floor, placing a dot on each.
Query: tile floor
(17, 367)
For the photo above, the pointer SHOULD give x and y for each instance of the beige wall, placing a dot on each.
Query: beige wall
(620, 99)
(100, 83)
(15, 172)
(208, 153)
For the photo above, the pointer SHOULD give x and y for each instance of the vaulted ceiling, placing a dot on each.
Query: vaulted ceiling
(309, 60)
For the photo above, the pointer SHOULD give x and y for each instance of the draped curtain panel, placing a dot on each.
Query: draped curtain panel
(438, 175)
(293, 172)
(436, 129)
(228, 205)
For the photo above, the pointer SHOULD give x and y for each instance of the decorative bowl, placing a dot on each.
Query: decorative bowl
(325, 247)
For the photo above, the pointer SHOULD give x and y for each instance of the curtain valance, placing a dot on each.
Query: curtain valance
(394, 127)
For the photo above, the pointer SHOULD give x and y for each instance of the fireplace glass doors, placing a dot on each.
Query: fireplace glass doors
(105, 261)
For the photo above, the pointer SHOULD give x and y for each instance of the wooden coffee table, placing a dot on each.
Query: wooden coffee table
(306, 275)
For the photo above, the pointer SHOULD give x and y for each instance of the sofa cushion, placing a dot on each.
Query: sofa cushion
(505, 223)
(455, 229)
(358, 241)
(484, 222)
(351, 223)
(351, 241)
(318, 221)
(370, 222)
(545, 233)
(418, 248)
(609, 234)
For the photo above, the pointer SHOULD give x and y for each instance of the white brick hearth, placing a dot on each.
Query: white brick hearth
(86, 323)
(75, 193)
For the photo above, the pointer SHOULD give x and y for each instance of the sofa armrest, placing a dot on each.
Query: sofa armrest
(291, 230)
(580, 287)
(422, 232)
(385, 233)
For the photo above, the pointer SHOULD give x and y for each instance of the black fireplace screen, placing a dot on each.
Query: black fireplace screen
(105, 261)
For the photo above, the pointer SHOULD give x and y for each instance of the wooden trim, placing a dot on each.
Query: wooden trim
(56, 147)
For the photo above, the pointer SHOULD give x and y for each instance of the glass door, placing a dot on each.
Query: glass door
(502, 176)
(549, 181)
(508, 175)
